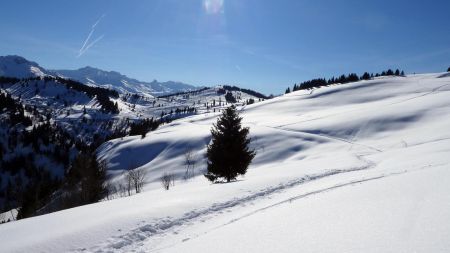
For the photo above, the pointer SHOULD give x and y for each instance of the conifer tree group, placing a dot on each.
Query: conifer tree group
(352, 77)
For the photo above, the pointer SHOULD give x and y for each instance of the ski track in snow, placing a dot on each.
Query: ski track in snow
(159, 227)
(301, 196)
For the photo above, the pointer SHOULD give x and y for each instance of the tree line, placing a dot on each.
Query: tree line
(352, 77)
(248, 91)
(192, 92)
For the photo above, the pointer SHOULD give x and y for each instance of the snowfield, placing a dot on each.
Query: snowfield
(359, 167)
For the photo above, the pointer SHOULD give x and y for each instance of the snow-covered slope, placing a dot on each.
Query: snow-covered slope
(19, 67)
(360, 167)
(122, 83)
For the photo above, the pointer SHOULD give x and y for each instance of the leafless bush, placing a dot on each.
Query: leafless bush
(189, 158)
(121, 191)
(111, 191)
(167, 180)
(135, 179)
(129, 183)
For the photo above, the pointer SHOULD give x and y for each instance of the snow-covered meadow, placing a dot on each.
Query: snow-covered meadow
(360, 167)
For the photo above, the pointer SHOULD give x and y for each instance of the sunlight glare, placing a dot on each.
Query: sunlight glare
(213, 6)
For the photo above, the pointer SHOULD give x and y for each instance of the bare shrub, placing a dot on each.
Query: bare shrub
(121, 191)
(129, 183)
(111, 191)
(189, 160)
(167, 180)
(135, 179)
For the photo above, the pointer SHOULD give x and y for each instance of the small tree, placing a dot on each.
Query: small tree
(129, 183)
(228, 154)
(135, 179)
(167, 180)
(189, 158)
(230, 98)
(365, 76)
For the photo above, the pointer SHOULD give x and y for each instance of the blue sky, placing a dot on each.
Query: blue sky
(259, 44)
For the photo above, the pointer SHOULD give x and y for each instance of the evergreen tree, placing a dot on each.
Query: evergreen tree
(288, 90)
(228, 154)
(86, 179)
(230, 98)
(352, 78)
(365, 76)
(448, 70)
(402, 73)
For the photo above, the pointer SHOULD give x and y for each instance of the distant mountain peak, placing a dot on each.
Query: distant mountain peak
(122, 83)
(19, 67)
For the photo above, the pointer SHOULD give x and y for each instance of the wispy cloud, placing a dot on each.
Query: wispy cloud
(87, 44)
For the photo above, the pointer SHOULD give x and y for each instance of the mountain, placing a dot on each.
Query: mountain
(19, 67)
(358, 167)
(122, 83)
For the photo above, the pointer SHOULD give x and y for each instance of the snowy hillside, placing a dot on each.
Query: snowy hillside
(137, 100)
(122, 83)
(47, 121)
(358, 167)
(19, 67)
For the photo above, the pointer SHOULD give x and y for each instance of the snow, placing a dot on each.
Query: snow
(360, 167)
(114, 80)
(8, 216)
(397, 213)
(19, 67)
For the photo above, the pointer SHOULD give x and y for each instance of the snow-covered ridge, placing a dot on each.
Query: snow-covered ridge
(360, 167)
(19, 67)
(122, 83)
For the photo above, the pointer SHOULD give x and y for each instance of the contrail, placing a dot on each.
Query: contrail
(86, 46)
(93, 43)
(98, 21)
(85, 42)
